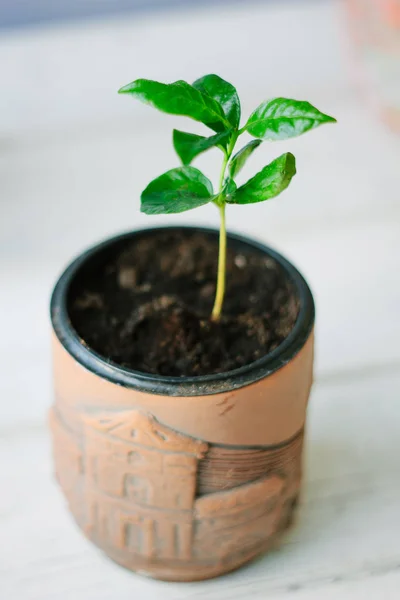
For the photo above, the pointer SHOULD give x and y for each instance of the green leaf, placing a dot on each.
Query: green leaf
(224, 93)
(282, 118)
(190, 145)
(268, 183)
(175, 191)
(237, 162)
(179, 98)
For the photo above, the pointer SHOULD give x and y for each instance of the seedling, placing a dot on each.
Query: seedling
(215, 102)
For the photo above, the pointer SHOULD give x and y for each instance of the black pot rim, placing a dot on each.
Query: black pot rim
(181, 386)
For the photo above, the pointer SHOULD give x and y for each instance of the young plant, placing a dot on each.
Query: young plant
(215, 103)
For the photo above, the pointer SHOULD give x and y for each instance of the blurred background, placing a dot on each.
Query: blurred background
(74, 157)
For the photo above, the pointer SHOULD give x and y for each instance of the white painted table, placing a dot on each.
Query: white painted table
(73, 160)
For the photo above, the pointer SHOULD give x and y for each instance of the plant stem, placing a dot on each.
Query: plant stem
(220, 292)
(222, 175)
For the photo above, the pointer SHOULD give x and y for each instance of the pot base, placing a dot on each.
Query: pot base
(186, 572)
(183, 572)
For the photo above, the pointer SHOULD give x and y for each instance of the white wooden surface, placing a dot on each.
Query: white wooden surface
(73, 159)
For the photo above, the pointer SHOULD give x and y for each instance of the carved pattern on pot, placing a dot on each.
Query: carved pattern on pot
(138, 487)
(142, 476)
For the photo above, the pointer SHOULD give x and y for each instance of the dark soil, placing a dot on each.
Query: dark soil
(147, 306)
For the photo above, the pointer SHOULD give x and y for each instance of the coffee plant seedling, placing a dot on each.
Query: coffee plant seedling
(215, 103)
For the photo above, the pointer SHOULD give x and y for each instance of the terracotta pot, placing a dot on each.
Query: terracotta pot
(180, 478)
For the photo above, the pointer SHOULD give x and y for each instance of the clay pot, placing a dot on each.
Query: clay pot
(180, 478)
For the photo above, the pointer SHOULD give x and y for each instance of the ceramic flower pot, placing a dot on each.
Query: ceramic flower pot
(180, 478)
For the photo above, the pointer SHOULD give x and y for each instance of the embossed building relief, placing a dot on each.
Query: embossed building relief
(140, 488)
(141, 484)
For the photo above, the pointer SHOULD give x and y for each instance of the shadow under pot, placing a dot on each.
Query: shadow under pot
(178, 478)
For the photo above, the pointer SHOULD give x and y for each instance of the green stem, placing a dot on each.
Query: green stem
(222, 175)
(220, 202)
(220, 292)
